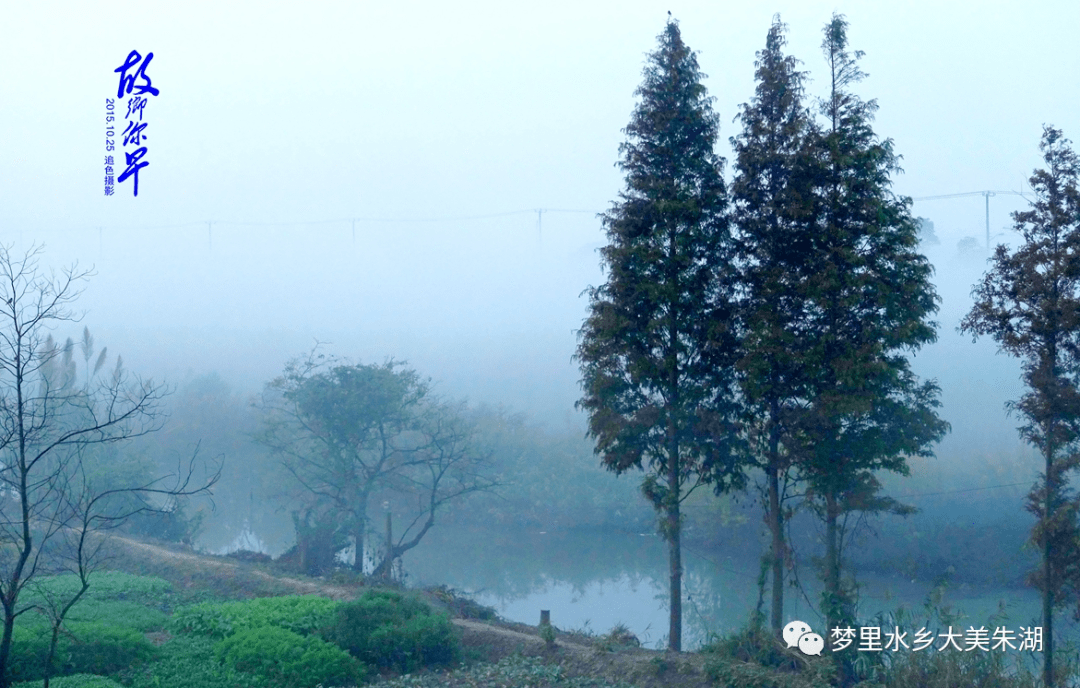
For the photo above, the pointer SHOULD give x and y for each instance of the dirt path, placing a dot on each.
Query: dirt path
(327, 590)
(490, 641)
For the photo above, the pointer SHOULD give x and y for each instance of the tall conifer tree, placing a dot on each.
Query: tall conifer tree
(657, 349)
(872, 300)
(1029, 302)
(773, 205)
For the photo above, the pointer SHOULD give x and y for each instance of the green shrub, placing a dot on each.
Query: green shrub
(73, 681)
(299, 614)
(390, 630)
(289, 659)
(754, 644)
(754, 658)
(104, 585)
(87, 648)
(104, 649)
(188, 662)
(120, 613)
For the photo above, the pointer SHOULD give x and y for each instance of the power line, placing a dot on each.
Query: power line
(341, 220)
(984, 194)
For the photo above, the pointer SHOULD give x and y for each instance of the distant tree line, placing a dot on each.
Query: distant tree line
(764, 327)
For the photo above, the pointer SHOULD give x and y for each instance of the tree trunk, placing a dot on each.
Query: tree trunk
(776, 527)
(358, 541)
(674, 532)
(833, 601)
(832, 563)
(5, 647)
(389, 573)
(53, 642)
(1048, 590)
(835, 604)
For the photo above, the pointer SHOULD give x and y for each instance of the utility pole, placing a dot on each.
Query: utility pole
(985, 194)
(539, 224)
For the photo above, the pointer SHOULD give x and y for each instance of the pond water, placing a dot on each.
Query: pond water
(593, 580)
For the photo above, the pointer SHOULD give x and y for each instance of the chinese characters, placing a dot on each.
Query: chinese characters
(135, 84)
(876, 639)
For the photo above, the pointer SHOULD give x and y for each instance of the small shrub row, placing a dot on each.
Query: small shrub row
(73, 681)
(118, 613)
(289, 660)
(86, 648)
(188, 662)
(295, 640)
(393, 631)
(104, 585)
(299, 614)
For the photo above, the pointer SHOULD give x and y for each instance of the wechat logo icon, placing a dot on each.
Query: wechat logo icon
(798, 634)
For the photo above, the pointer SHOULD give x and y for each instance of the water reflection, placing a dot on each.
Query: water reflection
(595, 580)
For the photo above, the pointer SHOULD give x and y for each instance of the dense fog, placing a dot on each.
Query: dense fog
(422, 184)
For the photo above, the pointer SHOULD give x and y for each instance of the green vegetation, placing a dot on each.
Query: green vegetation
(188, 662)
(86, 648)
(394, 631)
(298, 614)
(289, 660)
(304, 641)
(74, 681)
(511, 671)
(292, 641)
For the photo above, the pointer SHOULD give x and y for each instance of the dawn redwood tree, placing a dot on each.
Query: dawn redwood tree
(658, 347)
(772, 198)
(62, 480)
(1029, 302)
(871, 300)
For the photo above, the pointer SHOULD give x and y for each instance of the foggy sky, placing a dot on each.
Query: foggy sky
(304, 119)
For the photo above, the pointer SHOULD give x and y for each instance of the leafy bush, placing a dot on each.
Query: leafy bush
(754, 644)
(188, 662)
(88, 648)
(289, 659)
(390, 630)
(73, 681)
(104, 585)
(299, 614)
(754, 658)
(118, 613)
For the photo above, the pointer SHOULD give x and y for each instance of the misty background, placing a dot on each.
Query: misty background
(421, 181)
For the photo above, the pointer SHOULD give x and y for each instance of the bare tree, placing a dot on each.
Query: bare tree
(447, 467)
(59, 441)
(346, 432)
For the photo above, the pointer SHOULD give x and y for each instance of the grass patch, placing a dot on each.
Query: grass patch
(75, 681)
(189, 662)
(507, 673)
(299, 614)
